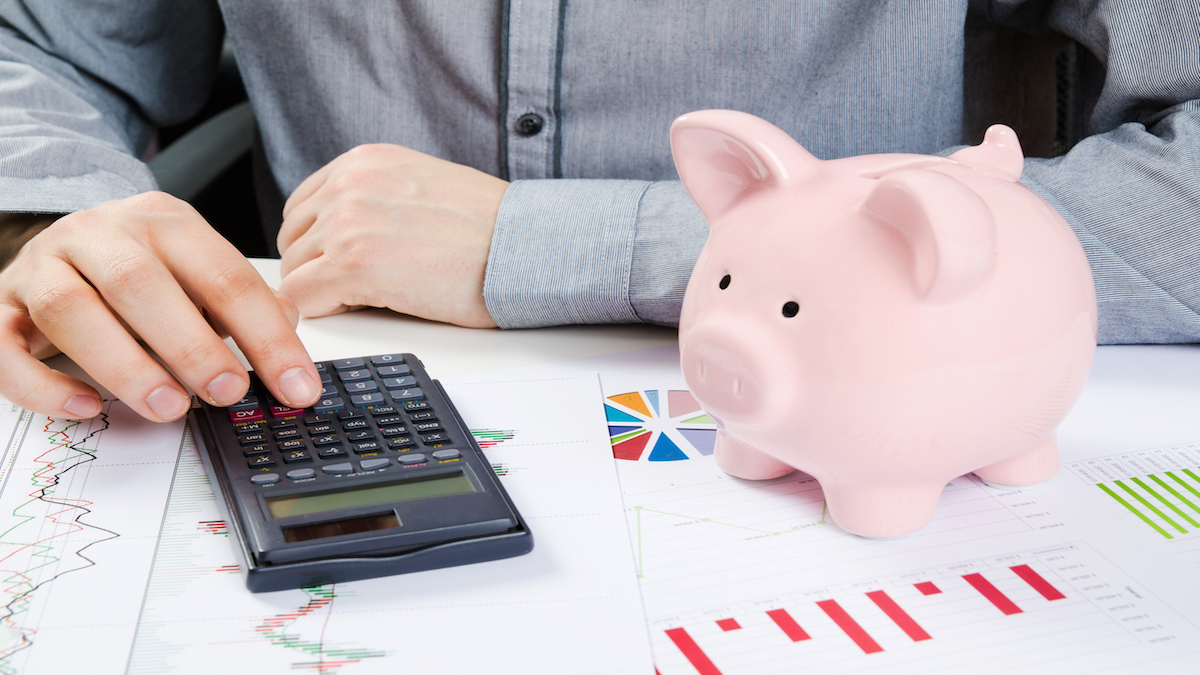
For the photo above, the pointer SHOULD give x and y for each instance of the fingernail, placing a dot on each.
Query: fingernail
(82, 406)
(225, 389)
(167, 402)
(298, 387)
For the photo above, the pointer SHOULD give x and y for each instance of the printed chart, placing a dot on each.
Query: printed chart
(576, 584)
(1160, 487)
(659, 426)
(1005, 613)
(80, 507)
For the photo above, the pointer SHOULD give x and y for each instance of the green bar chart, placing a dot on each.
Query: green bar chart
(1160, 487)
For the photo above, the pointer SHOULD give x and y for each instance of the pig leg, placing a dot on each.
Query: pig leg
(1029, 467)
(738, 459)
(882, 510)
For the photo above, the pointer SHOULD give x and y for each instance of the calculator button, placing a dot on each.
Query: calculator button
(446, 454)
(293, 456)
(366, 399)
(362, 387)
(386, 359)
(422, 416)
(301, 474)
(348, 364)
(326, 378)
(365, 446)
(399, 382)
(278, 410)
(250, 428)
(390, 420)
(356, 423)
(328, 405)
(380, 410)
(401, 442)
(331, 451)
(344, 467)
(320, 367)
(248, 401)
(354, 375)
(372, 464)
(251, 415)
(252, 439)
(294, 444)
(349, 415)
(289, 423)
(389, 432)
(415, 458)
(261, 461)
(439, 437)
(256, 450)
(425, 427)
(406, 395)
(316, 419)
(286, 434)
(264, 478)
(327, 439)
(318, 429)
(359, 435)
(393, 371)
(413, 406)
(328, 391)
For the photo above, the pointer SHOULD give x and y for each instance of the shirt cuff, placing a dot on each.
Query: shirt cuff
(562, 253)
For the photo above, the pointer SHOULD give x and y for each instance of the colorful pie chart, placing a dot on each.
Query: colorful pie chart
(659, 425)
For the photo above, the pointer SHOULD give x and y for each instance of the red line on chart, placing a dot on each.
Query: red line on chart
(1038, 583)
(993, 594)
(849, 626)
(788, 625)
(692, 652)
(901, 617)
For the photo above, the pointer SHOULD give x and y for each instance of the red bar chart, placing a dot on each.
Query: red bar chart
(975, 602)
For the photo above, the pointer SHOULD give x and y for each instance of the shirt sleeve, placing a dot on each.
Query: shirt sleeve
(83, 86)
(1130, 188)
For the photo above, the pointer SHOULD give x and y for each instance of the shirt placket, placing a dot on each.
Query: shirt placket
(530, 124)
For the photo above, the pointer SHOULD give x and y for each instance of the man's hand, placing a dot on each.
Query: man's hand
(145, 267)
(385, 226)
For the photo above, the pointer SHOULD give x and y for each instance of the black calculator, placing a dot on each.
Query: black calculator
(379, 477)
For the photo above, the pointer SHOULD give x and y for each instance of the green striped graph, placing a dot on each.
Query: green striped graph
(1160, 487)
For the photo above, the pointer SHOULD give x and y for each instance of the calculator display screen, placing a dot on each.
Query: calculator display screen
(284, 506)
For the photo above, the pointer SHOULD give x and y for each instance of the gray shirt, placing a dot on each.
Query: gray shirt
(595, 226)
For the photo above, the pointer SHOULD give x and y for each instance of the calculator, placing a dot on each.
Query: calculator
(380, 477)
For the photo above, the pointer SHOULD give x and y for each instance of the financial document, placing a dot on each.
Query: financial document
(105, 574)
(1095, 571)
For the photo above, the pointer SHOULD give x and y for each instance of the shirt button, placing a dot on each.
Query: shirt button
(529, 124)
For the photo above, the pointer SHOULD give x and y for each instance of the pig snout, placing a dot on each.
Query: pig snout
(723, 373)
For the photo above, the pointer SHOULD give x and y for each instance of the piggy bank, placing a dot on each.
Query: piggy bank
(884, 323)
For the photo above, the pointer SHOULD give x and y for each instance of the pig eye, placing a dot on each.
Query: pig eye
(790, 309)
(724, 282)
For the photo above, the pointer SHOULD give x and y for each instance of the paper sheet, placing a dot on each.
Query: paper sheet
(570, 606)
(81, 504)
(750, 577)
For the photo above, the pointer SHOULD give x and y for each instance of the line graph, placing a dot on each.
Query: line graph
(64, 485)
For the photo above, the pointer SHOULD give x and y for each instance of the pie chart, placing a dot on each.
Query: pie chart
(659, 425)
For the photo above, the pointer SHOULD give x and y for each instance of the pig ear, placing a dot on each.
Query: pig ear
(948, 228)
(998, 155)
(724, 155)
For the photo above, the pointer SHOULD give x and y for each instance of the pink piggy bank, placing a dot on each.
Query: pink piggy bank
(884, 323)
